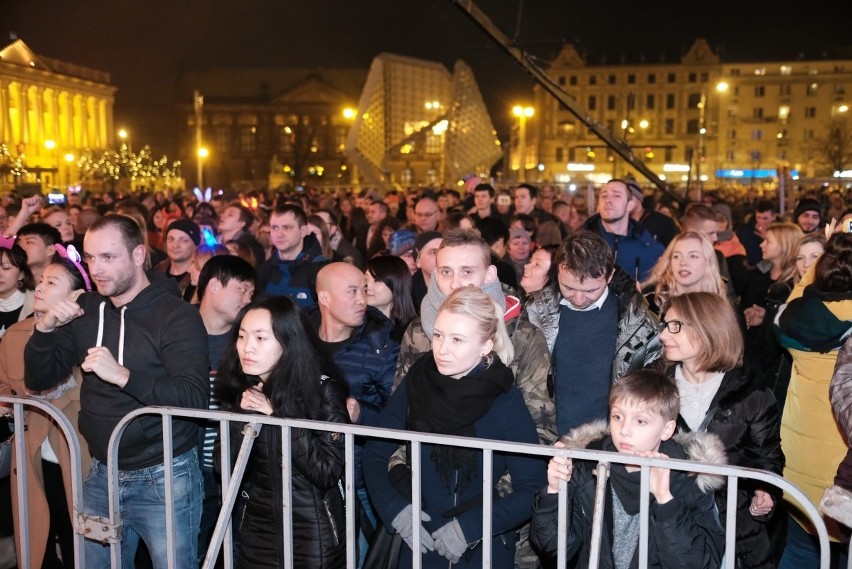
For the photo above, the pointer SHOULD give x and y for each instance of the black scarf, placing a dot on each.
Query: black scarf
(444, 405)
(626, 484)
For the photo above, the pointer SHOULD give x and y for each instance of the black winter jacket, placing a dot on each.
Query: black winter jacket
(319, 524)
(745, 418)
(684, 533)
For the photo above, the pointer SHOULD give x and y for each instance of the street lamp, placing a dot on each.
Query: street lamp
(203, 153)
(523, 113)
(721, 87)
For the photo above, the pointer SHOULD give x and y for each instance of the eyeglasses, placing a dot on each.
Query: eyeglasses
(674, 326)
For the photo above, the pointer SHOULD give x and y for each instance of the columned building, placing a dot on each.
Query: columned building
(698, 121)
(51, 111)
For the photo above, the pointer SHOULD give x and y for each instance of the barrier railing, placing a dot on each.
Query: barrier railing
(109, 530)
(22, 529)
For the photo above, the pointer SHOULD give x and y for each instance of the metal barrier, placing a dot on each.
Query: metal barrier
(110, 529)
(23, 526)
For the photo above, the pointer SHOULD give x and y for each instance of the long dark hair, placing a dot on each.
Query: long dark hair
(293, 385)
(833, 271)
(394, 272)
(17, 257)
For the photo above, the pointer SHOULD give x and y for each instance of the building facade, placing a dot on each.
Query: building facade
(700, 121)
(268, 127)
(50, 112)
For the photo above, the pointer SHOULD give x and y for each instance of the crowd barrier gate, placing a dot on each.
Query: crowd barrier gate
(109, 530)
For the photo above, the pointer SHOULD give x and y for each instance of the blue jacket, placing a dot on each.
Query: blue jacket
(637, 252)
(507, 420)
(296, 279)
(366, 362)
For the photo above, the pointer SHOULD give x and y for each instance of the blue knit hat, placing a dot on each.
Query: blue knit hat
(401, 242)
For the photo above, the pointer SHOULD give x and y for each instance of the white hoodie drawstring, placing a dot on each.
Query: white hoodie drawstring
(100, 340)
(121, 338)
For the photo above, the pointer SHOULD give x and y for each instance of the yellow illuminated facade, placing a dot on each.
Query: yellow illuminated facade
(697, 120)
(49, 111)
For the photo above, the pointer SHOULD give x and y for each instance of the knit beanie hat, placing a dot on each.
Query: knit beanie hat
(187, 226)
(401, 242)
(807, 204)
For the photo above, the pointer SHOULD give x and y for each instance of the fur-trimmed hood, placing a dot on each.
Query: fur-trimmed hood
(699, 447)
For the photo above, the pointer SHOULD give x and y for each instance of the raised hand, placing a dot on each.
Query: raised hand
(61, 313)
(254, 400)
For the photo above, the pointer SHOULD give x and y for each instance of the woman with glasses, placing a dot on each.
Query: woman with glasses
(703, 346)
(687, 265)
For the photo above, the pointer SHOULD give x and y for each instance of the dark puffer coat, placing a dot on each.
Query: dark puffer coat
(745, 418)
(319, 526)
(683, 533)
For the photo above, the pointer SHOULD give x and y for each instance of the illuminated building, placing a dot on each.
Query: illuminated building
(50, 112)
(723, 123)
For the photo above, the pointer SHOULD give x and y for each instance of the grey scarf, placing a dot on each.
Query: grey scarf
(435, 298)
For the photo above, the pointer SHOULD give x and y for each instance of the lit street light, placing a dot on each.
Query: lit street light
(522, 113)
(203, 153)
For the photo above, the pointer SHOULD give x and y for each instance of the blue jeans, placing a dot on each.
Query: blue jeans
(143, 512)
(371, 515)
(802, 550)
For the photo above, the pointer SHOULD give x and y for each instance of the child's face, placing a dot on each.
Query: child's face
(636, 427)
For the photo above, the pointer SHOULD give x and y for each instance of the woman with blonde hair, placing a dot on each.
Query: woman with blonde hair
(768, 286)
(688, 264)
(461, 387)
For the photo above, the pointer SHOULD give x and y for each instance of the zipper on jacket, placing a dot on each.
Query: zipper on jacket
(331, 520)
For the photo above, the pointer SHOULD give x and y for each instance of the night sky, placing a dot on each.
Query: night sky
(144, 44)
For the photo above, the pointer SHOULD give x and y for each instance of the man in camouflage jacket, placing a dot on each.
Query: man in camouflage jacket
(464, 260)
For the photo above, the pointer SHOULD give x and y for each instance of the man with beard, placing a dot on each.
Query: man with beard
(635, 249)
(138, 344)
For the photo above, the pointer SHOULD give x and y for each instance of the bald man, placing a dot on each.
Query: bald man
(357, 338)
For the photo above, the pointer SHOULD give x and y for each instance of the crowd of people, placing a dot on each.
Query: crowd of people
(714, 330)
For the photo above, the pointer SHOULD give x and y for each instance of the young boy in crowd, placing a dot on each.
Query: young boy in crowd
(683, 525)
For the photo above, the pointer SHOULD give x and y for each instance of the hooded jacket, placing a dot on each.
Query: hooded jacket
(158, 337)
(682, 533)
(637, 341)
